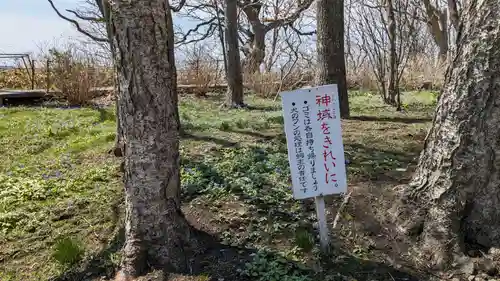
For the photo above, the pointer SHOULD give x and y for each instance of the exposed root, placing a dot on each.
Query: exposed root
(169, 252)
(407, 213)
(436, 224)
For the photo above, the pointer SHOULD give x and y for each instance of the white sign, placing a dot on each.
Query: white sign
(314, 140)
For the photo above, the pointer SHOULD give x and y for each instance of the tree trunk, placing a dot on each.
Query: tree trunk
(454, 13)
(393, 67)
(272, 56)
(221, 34)
(255, 49)
(442, 37)
(157, 234)
(105, 10)
(455, 187)
(234, 95)
(330, 46)
(437, 24)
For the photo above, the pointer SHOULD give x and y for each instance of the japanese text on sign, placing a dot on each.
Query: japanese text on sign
(314, 141)
(323, 102)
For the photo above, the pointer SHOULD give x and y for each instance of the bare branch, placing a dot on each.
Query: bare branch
(76, 24)
(179, 6)
(94, 19)
(212, 26)
(302, 33)
(291, 18)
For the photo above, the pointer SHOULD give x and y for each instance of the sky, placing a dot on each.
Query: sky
(27, 25)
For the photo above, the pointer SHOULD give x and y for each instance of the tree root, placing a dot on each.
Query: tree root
(436, 223)
(170, 252)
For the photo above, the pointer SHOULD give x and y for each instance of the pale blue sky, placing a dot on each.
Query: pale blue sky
(27, 24)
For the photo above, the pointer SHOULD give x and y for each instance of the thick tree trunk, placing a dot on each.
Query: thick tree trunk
(437, 23)
(456, 185)
(257, 51)
(157, 234)
(234, 95)
(330, 46)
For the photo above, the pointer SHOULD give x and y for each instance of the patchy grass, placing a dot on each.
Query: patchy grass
(56, 181)
(60, 191)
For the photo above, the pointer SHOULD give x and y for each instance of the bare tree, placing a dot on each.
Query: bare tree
(254, 48)
(260, 17)
(393, 90)
(452, 201)
(234, 95)
(387, 32)
(330, 48)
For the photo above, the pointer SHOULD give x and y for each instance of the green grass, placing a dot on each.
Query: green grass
(68, 252)
(58, 184)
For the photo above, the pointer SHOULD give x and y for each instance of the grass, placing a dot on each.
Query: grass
(61, 196)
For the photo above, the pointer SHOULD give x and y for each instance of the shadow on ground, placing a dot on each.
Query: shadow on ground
(262, 108)
(48, 102)
(223, 262)
(221, 142)
(261, 136)
(99, 265)
(391, 119)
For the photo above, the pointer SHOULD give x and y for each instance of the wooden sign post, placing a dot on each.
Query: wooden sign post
(315, 148)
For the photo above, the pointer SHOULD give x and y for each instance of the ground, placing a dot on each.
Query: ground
(61, 200)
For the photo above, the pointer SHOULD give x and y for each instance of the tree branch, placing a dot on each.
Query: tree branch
(302, 33)
(179, 7)
(76, 24)
(290, 19)
(94, 19)
(211, 28)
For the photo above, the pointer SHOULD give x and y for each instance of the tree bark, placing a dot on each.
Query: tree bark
(455, 187)
(393, 65)
(105, 10)
(438, 27)
(330, 46)
(454, 13)
(234, 95)
(255, 49)
(157, 234)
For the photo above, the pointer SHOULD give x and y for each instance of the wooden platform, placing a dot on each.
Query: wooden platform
(12, 94)
(40, 93)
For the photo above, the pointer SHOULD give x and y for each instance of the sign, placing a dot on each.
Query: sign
(314, 140)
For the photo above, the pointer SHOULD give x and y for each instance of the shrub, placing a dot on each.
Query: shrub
(74, 75)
